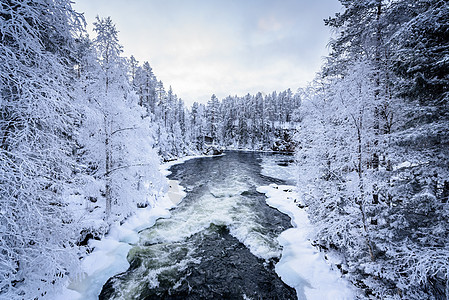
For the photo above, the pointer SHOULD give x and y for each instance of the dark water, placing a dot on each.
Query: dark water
(219, 243)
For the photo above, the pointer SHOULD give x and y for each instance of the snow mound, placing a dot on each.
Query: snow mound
(109, 255)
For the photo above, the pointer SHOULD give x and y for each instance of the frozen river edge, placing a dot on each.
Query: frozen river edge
(301, 266)
(109, 256)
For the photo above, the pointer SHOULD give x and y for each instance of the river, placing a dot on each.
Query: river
(219, 243)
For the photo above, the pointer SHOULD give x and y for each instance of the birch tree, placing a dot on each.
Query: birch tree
(36, 120)
(122, 138)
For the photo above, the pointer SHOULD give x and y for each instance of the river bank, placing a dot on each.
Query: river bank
(298, 264)
(220, 241)
(109, 255)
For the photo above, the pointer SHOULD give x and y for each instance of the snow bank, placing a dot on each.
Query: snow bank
(109, 256)
(166, 166)
(302, 266)
(278, 166)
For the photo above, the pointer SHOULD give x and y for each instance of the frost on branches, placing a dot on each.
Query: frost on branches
(373, 148)
(116, 132)
(76, 145)
(36, 135)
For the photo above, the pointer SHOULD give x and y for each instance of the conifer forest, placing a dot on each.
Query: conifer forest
(85, 131)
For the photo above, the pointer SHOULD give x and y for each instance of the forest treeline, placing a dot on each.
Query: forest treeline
(83, 130)
(253, 122)
(373, 148)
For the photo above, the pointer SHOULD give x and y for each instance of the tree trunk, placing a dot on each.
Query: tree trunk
(108, 168)
(362, 192)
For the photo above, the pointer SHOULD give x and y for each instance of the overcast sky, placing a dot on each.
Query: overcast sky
(222, 47)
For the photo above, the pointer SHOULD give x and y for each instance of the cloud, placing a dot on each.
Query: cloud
(201, 47)
(269, 23)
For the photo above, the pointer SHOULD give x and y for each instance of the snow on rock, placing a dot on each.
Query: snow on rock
(108, 259)
(279, 166)
(301, 265)
(109, 256)
(176, 192)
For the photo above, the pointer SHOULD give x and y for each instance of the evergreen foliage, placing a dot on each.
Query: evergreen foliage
(373, 145)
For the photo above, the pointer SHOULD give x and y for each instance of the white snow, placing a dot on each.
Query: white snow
(301, 265)
(405, 164)
(271, 167)
(109, 256)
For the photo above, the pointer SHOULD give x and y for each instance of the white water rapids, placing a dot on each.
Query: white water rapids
(221, 197)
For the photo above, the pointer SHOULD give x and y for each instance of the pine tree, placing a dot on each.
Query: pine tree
(213, 119)
(117, 121)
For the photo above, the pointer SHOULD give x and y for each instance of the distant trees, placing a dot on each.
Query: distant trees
(250, 122)
(213, 118)
(372, 147)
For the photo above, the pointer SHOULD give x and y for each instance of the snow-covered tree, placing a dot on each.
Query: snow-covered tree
(373, 148)
(336, 142)
(117, 137)
(36, 131)
(213, 118)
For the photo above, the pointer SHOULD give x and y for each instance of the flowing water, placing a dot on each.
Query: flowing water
(219, 243)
